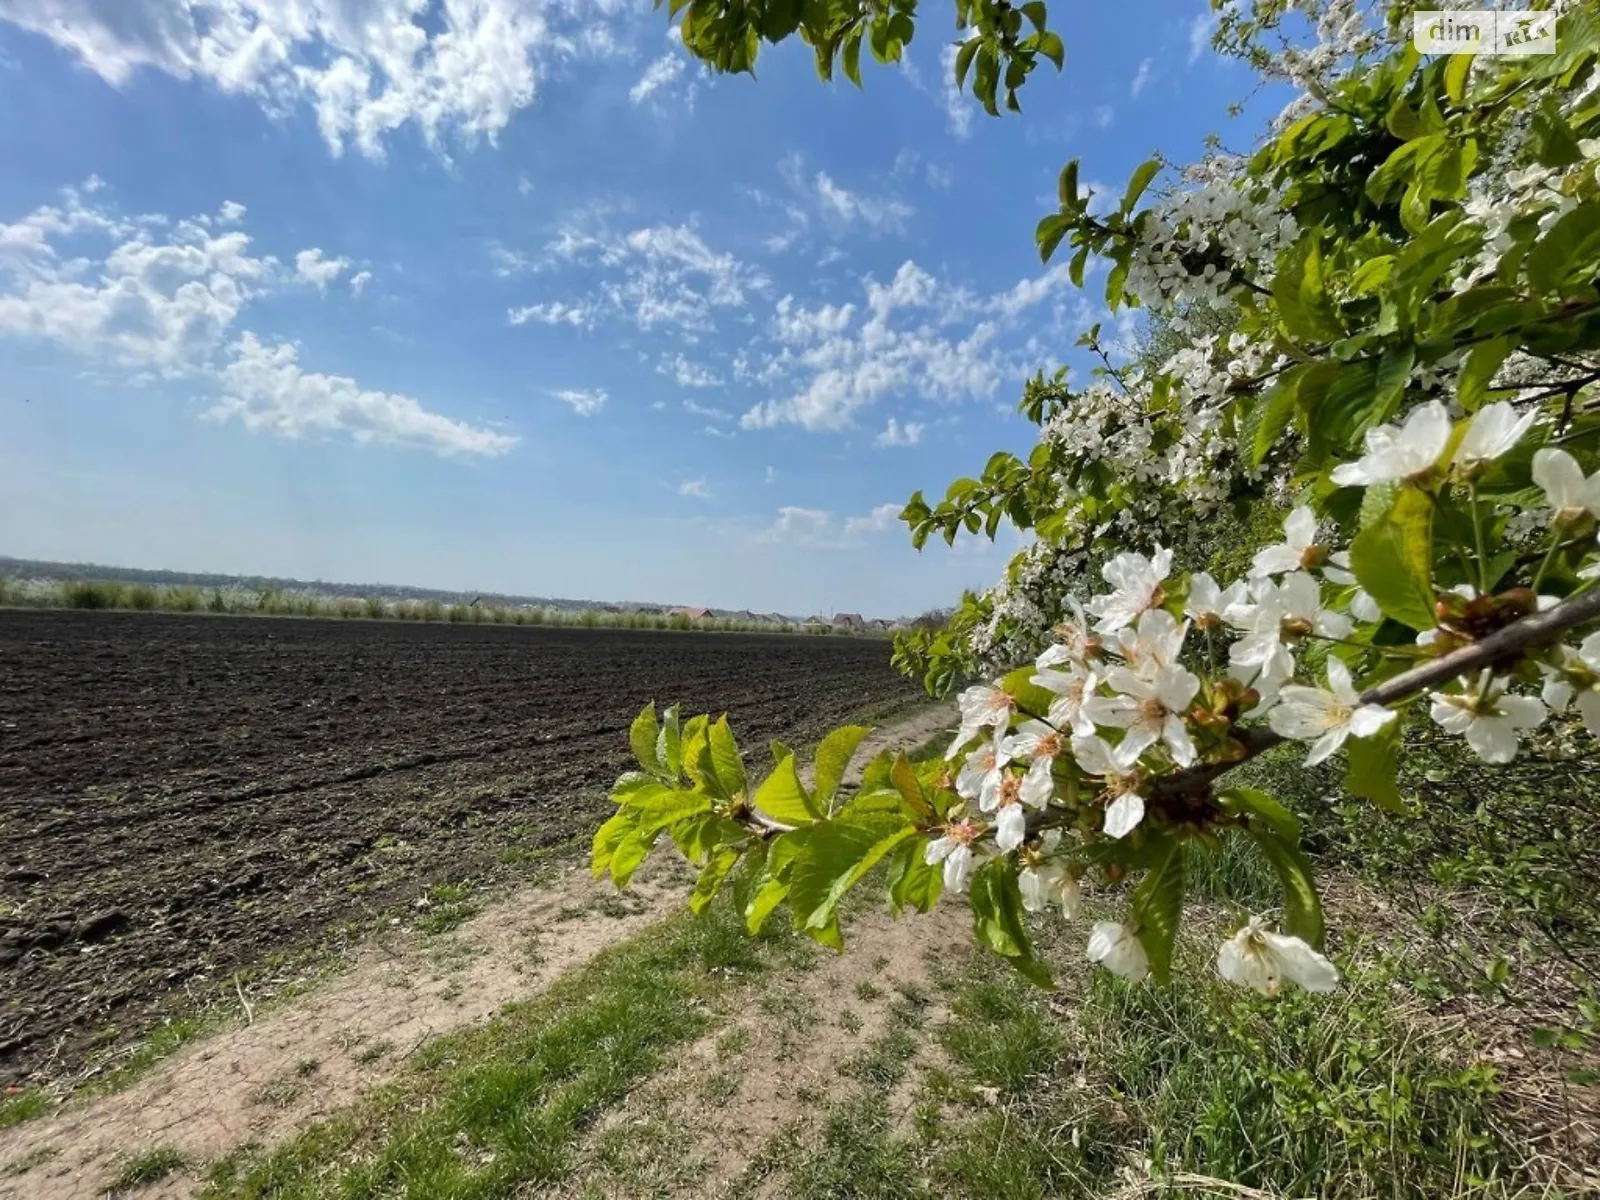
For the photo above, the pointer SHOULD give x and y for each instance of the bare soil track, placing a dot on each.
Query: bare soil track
(181, 797)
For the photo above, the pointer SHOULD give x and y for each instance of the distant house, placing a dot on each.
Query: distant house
(772, 619)
(850, 621)
(745, 616)
(815, 625)
(879, 623)
(694, 614)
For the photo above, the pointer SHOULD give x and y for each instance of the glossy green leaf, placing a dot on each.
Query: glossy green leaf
(783, 797)
(833, 760)
(836, 855)
(997, 918)
(669, 745)
(1393, 560)
(725, 759)
(1302, 907)
(712, 876)
(1374, 768)
(1142, 175)
(643, 736)
(1157, 907)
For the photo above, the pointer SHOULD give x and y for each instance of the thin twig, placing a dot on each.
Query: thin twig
(249, 1013)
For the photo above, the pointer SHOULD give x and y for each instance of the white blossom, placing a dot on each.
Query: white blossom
(954, 850)
(1155, 643)
(1255, 957)
(1151, 709)
(1297, 551)
(1326, 718)
(1072, 690)
(1136, 582)
(1570, 494)
(1040, 745)
(1208, 604)
(1095, 757)
(981, 773)
(1577, 674)
(1495, 429)
(1489, 718)
(1047, 883)
(981, 706)
(1115, 948)
(1399, 454)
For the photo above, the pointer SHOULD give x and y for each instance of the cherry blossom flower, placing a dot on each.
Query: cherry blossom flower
(1495, 429)
(1578, 673)
(1073, 689)
(1040, 744)
(981, 773)
(1074, 644)
(1399, 454)
(1010, 822)
(1136, 581)
(1297, 552)
(1255, 957)
(1150, 708)
(1570, 494)
(954, 850)
(1284, 611)
(1488, 718)
(981, 706)
(1115, 948)
(1208, 604)
(1326, 718)
(1095, 757)
(1155, 643)
(1050, 883)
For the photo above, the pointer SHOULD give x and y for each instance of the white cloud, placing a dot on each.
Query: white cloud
(958, 105)
(554, 312)
(359, 281)
(1200, 31)
(231, 212)
(310, 267)
(661, 275)
(817, 528)
(896, 434)
(366, 68)
(726, 435)
(508, 262)
(1141, 77)
(524, 185)
(879, 520)
(698, 488)
(687, 374)
(840, 368)
(706, 410)
(662, 73)
(583, 401)
(771, 475)
(1104, 114)
(851, 208)
(265, 389)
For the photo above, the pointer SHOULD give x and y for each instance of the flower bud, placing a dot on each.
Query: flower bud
(1313, 556)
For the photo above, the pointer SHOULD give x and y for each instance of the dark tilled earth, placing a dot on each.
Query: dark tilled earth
(183, 797)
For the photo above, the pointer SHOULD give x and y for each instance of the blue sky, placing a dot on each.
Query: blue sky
(507, 294)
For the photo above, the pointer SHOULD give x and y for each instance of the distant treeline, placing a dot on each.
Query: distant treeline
(236, 598)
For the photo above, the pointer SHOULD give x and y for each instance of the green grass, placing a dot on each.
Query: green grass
(24, 1106)
(450, 905)
(134, 1171)
(482, 1111)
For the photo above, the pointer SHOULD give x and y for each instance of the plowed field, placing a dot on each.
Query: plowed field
(182, 797)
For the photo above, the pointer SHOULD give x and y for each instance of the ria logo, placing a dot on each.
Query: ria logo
(1484, 31)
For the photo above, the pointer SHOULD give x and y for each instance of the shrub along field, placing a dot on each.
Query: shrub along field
(182, 800)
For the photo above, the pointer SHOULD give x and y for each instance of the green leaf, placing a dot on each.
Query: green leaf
(1049, 233)
(1265, 807)
(964, 60)
(1302, 907)
(699, 835)
(1478, 370)
(783, 797)
(630, 852)
(696, 751)
(1157, 905)
(1142, 175)
(909, 788)
(712, 876)
(643, 736)
(1567, 252)
(1393, 560)
(748, 877)
(997, 918)
(725, 760)
(1051, 47)
(1067, 188)
(1375, 767)
(913, 882)
(835, 857)
(1394, 372)
(1076, 267)
(1035, 11)
(1456, 69)
(607, 838)
(852, 56)
(833, 759)
(1269, 416)
(669, 745)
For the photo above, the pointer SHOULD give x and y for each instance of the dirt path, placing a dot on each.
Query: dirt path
(260, 1081)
